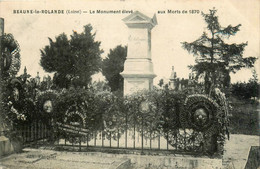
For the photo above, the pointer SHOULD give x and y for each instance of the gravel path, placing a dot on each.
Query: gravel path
(235, 157)
(237, 150)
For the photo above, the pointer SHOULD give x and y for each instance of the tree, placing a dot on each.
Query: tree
(113, 65)
(161, 82)
(247, 90)
(254, 86)
(215, 59)
(72, 60)
(100, 86)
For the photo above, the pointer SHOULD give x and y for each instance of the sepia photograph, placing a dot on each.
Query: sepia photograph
(127, 84)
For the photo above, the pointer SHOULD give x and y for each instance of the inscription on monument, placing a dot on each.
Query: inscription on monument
(131, 38)
(135, 85)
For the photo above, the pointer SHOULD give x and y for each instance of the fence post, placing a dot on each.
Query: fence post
(159, 139)
(167, 140)
(102, 138)
(79, 143)
(134, 135)
(40, 129)
(34, 131)
(117, 138)
(30, 132)
(150, 140)
(110, 139)
(126, 131)
(176, 140)
(87, 139)
(142, 141)
(22, 132)
(95, 139)
(26, 133)
(37, 130)
(185, 144)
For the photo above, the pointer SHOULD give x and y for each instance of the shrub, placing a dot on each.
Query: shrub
(245, 90)
(244, 117)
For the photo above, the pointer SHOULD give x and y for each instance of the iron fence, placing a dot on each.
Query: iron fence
(35, 132)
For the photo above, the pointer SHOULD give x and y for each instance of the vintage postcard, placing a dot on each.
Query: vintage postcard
(72, 72)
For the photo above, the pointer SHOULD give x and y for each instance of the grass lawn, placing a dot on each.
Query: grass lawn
(244, 117)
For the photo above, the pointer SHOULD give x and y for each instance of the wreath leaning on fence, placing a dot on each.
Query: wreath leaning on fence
(200, 113)
(16, 109)
(74, 116)
(75, 125)
(144, 113)
(112, 117)
(46, 104)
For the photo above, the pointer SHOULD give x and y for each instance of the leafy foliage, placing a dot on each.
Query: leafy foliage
(147, 112)
(99, 86)
(15, 107)
(246, 90)
(215, 59)
(73, 60)
(113, 65)
(243, 90)
(161, 82)
(83, 101)
(112, 112)
(244, 116)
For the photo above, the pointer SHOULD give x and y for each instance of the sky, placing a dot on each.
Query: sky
(32, 30)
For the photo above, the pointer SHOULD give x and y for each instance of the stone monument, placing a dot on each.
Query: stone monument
(138, 68)
(173, 79)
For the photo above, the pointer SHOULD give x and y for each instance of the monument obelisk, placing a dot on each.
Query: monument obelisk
(138, 68)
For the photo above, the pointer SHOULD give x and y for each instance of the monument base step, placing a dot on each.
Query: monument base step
(7, 147)
(184, 162)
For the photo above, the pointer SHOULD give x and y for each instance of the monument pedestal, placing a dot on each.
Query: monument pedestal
(5, 146)
(138, 75)
(8, 146)
(137, 82)
(138, 68)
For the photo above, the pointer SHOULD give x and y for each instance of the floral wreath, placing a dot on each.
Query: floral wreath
(113, 122)
(69, 113)
(223, 103)
(11, 54)
(19, 116)
(112, 119)
(195, 102)
(143, 111)
(203, 135)
(12, 84)
(42, 97)
(75, 111)
(17, 104)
